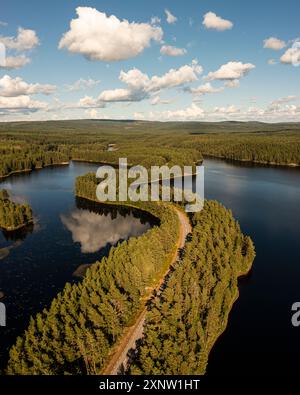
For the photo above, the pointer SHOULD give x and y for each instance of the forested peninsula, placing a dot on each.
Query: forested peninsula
(77, 333)
(186, 319)
(13, 216)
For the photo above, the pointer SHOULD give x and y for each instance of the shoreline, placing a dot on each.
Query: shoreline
(226, 321)
(19, 227)
(253, 162)
(30, 170)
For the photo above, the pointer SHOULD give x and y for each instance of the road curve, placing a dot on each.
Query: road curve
(135, 332)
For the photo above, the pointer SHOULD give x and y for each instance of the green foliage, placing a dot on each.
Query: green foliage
(192, 311)
(13, 215)
(31, 145)
(75, 335)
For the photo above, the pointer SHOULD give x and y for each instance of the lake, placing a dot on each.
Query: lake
(36, 263)
(259, 339)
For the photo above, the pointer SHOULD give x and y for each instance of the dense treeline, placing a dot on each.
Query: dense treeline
(26, 146)
(192, 311)
(18, 156)
(75, 335)
(280, 149)
(13, 215)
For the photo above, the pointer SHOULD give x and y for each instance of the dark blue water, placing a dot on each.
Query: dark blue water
(37, 262)
(260, 338)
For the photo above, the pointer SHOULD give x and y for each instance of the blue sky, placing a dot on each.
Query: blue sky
(234, 60)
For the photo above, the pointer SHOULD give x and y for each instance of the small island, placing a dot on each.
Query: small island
(13, 216)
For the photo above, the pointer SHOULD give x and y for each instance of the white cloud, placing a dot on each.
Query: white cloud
(175, 77)
(171, 19)
(21, 104)
(283, 100)
(100, 37)
(82, 84)
(117, 95)
(272, 62)
(232, 109)
(3, 23)
(193, 112)
(87, 102)
(205, 89)
(274, 43)
(157, 100)
(291, 56)
(230, 71)
(155, 20)
(232, 83)
(169, 50)
(140, 86)
(212, 21)
(12, 87)
(15, 62)
(92, 113)
(26, 39)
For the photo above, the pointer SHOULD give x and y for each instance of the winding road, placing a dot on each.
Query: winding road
(135, 332)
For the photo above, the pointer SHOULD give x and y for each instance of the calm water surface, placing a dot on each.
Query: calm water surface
(266, 201)
(35, 264)
(259, 339)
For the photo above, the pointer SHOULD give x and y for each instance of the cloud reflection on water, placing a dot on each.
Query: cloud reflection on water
(94, 231)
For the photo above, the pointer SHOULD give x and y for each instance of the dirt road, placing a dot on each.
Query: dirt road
(135, 332)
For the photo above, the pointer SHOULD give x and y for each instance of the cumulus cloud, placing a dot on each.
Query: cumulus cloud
(230, 71)
(291, 55)
(205, 89)
(82, 84)
(274, 43)
(25, 40)
(169, 50)
(193, 112)
(140, 86)
(21, 104)
(232, 83)
(87, 102)
(171, 19)
(212, 21)
(14, 62)
(118, 95)
(100, 37)
(175, 77)
(232, 109)
(12, 87)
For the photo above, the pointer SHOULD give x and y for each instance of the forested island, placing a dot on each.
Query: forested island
(13, 216)
(85, 321)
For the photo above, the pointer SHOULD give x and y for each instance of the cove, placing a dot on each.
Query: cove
(38, 260)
